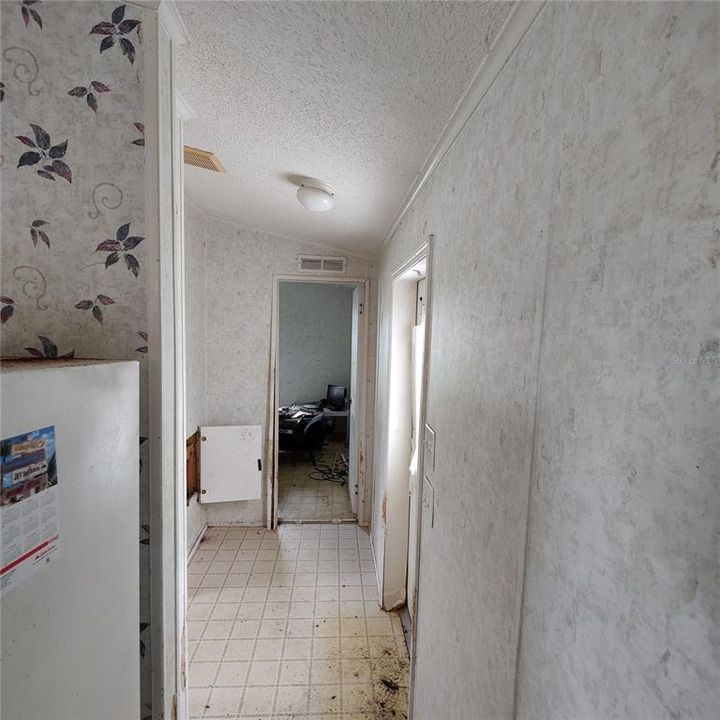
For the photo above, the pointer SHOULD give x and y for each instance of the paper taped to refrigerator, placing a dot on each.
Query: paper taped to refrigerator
(28, 505)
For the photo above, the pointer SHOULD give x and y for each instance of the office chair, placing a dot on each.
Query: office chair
(314, 434)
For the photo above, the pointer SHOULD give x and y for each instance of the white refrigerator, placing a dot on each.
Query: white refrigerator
(69, 521)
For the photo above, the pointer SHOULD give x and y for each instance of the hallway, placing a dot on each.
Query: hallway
(287, 624)
(431, 288)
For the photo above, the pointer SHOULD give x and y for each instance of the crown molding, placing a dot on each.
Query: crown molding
(512, 33)
(370, 257)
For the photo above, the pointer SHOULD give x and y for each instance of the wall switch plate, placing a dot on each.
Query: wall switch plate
(428, 451)
(428, 502)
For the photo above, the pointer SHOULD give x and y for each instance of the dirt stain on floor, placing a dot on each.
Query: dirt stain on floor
(390, 679)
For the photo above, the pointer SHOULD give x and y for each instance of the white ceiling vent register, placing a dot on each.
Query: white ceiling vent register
(324, 264)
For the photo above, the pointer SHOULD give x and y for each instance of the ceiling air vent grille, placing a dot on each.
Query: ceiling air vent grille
(202, 158)
(323, 264)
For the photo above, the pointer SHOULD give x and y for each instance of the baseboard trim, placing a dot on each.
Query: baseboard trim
(196, 543)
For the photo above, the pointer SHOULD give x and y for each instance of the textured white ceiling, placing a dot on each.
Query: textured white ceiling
(353, 93)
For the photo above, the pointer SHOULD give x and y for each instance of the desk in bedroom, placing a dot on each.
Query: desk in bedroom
(341, 419)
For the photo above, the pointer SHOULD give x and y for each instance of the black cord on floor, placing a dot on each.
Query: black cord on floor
(323, 471)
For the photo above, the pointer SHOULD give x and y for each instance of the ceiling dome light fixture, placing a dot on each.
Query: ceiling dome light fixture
(315, 195)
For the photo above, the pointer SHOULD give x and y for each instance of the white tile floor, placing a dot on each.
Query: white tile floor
(301, 497)
(287, 624)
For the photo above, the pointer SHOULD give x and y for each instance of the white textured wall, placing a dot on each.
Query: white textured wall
(622, 611)
(315, 339)
(576, 277)
(238, 272)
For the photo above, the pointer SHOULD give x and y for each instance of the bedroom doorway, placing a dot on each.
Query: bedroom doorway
(319, 398)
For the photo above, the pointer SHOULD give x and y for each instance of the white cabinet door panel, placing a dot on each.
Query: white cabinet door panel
(230, 463)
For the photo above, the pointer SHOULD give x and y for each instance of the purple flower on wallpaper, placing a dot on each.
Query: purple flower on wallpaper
(146, 528)
(28, 12)
(95, 306)
(116, 29)
(121, 245)
(141, 129)
(49, 350)
(90, 93)
(143, 348)
(143, 626)
(8, 308)
(37, 234)
(45, 152)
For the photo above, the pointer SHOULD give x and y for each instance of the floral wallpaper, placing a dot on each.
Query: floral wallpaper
(73, 201)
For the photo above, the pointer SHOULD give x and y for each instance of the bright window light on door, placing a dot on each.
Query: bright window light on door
(315, 195)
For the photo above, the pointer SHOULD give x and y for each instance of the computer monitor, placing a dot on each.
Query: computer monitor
(336, 397)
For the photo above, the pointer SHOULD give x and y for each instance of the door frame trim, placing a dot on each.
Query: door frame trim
(424, 251)
(362, 391)
(429, 249)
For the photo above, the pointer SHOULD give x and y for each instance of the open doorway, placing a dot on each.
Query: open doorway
(319, 393)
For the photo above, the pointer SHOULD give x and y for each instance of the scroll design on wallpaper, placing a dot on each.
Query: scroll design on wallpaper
(22, 71)
(110, 201)
(34, 284)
